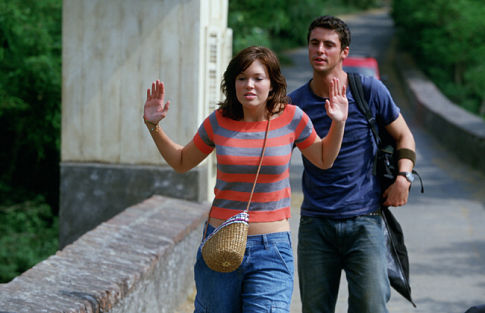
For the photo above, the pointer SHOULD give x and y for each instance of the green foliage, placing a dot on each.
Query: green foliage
(447, 41)
(282, 24)
(361, 4)
(28, 235)
(30, 110)
(30, 96)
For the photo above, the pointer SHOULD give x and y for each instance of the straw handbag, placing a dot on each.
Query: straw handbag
(223, 250)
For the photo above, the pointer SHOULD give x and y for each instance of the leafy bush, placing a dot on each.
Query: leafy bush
(447, 42)
(28, 235)
(30, 98)
(30, 110)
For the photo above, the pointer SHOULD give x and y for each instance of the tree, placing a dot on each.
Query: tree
(30, 97)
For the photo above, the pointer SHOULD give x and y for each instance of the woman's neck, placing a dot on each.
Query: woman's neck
(255, 115)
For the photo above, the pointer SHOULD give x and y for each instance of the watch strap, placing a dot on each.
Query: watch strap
(407, 175)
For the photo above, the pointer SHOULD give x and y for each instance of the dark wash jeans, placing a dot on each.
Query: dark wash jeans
(328, 246)
(263, 282)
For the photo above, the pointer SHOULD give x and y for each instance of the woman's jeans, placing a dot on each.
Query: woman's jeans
(357, 246)
(263, 282)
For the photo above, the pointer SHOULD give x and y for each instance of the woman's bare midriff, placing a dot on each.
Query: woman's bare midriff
(259, 228)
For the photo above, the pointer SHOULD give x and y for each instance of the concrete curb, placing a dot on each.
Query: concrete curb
(457, 129)
(141, 260)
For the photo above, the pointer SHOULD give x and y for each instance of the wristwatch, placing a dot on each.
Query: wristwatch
(409, 176)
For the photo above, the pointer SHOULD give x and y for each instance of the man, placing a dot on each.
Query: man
(340, 226)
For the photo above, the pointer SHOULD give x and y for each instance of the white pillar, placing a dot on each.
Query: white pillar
(112, 51)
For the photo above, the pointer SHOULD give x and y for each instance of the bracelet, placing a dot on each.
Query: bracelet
(151, 126)
(405, 153)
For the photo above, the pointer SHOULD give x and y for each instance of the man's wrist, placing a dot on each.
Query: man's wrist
(409, 176)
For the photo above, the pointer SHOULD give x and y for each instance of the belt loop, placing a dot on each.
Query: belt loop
(265, 241)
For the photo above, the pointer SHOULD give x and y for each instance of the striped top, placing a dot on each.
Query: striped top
(238, 147)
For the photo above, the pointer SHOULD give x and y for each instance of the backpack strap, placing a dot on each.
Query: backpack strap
(358, 93)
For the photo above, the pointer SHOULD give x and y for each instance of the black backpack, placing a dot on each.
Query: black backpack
(385, 167)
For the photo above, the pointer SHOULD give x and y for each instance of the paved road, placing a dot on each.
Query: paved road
(444, 227)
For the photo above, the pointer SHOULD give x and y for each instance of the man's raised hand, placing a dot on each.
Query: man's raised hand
(337, 106)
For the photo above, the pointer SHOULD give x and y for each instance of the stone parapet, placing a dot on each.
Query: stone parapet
(141, 260)
(91, 193)
(457, 129)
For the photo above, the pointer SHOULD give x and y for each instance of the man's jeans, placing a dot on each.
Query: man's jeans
(357, 246)
(263, 282)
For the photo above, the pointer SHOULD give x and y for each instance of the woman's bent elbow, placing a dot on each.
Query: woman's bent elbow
(181, 170)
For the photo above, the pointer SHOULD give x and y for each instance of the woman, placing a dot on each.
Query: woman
(255, 93)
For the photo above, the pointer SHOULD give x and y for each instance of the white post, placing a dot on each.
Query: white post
(112, 51)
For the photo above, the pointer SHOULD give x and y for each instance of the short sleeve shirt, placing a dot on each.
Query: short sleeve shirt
(238, 146)
(348, 188)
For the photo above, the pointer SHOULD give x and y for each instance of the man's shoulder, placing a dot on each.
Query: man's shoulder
(374, 85)
(368, 82)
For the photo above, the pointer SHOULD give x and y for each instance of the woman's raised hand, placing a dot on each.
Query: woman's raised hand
(338, 105)
(155, 108)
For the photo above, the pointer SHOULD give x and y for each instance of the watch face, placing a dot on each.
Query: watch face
(409, 176)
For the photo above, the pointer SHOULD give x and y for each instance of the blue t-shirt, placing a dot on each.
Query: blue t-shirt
(348, 188)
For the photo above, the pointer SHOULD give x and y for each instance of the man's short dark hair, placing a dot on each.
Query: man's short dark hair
(333, 23)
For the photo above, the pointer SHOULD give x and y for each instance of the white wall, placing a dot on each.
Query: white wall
(113, 50)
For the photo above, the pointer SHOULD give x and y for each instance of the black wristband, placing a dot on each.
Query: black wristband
(404, 153)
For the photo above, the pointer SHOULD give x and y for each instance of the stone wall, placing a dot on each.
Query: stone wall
(139, 261)
(457, 129)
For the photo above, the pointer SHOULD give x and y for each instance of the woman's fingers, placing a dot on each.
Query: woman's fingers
(155, 108)
(157, 91)
(161, 89)
(165, 109)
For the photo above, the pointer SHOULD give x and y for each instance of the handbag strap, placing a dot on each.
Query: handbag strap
(259, 166)
(255, 178)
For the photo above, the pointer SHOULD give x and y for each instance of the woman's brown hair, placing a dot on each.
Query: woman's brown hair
(277, 99)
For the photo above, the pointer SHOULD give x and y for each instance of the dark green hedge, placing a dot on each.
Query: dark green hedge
(447, 40)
